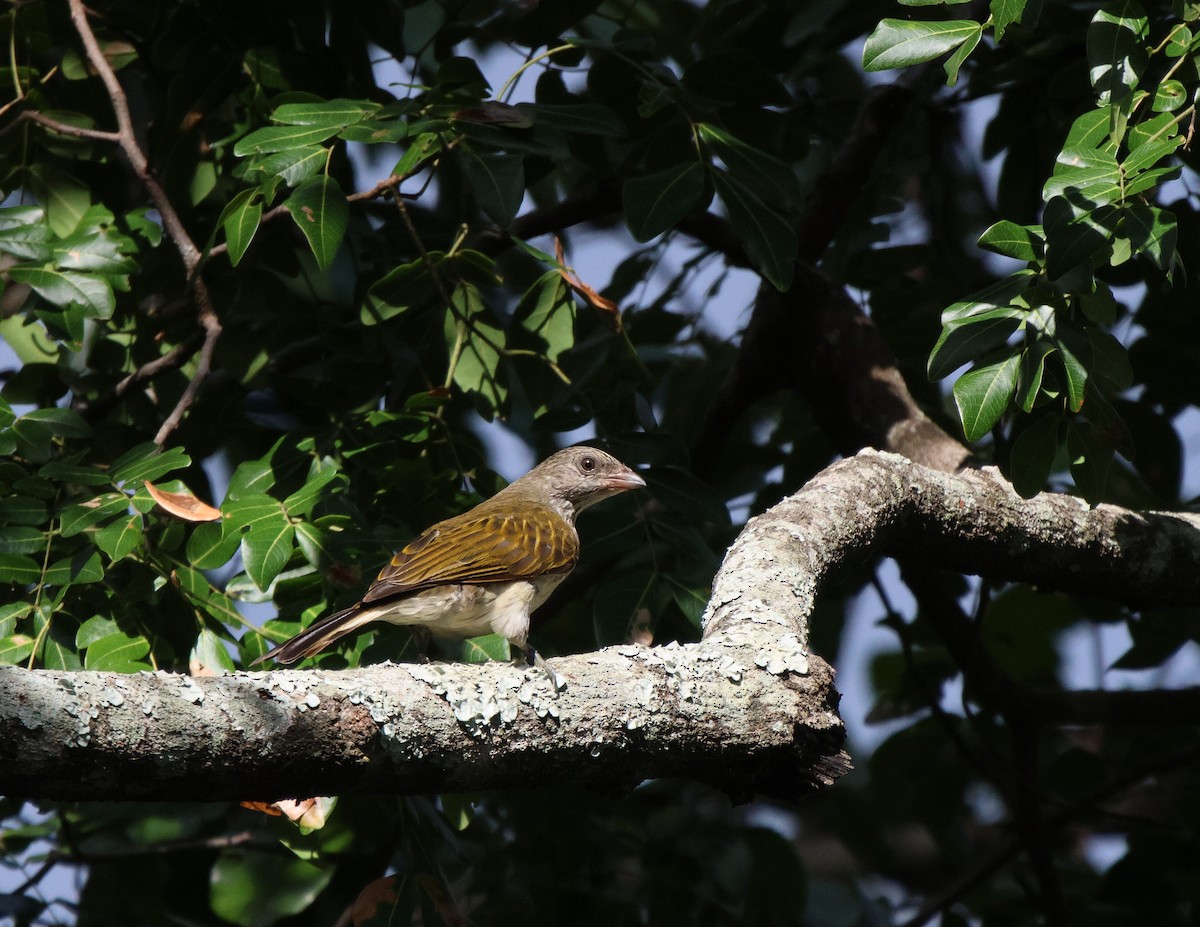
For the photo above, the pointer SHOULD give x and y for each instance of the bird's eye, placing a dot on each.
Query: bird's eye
(587, 464)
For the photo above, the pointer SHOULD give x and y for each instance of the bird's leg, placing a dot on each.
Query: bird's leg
(421, 639)
(557, 683)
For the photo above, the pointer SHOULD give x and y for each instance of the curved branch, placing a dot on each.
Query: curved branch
(882, 504)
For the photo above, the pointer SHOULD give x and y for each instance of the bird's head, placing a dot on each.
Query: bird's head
(575, 479)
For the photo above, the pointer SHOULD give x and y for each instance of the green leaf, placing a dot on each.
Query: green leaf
(250, 509)
(19, 569)
(1032, 456)
(896, 43)
(282, 138)
(70, 470)
(1004, 14)
(547, 311)
(77, 518)
(23, 510)
(147, 462)
(212, 545)
(1169, 96)
(475, 341)
(92, 294)
(655, 202)
(63, 423)
(65, 198)
(266, 549)
(117, 653)
(970, 338)
(1115, 50)
(319, 209)
(767, 237)
(1075, 240)
(1075, 352)
(255, 889)
(1012, 240)
(999, 295)
(691, 601)
(15, 648)
(20, 539)
(961, 54)
(1110, 358)
(1089, 130)
(337, 112)
(121, 538)
(1033, 369)
(94, 629)
(1156, 129)
(765, 174)
(580, 118)
(80, 569)
(241, 219)
(294, 166)
(498, 182)
(485, 648)
(1180, 41)
(1093, 173)
(1091, 459)
(252, 477)
(422, 147)
(314, 544)
(1150, 152)
(210, 652)
(1152, 232)
(982, 395)
(301, 502)
(1147, 180)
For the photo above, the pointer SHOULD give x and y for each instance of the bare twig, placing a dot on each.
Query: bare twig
(191, 255)
(65, 128)
(127, 139)
(207, 317)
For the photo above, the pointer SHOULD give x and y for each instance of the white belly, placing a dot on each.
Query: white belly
(464, 610)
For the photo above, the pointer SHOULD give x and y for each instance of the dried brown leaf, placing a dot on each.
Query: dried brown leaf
(182, 504)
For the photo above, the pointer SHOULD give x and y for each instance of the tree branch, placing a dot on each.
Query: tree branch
(882, 504)
(747, 709)
(126, 139)
(705, 711)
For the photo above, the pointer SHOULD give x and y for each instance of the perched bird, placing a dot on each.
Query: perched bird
(486, 570)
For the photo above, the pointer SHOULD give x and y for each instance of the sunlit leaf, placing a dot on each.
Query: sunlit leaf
(319, 209)
(982, 395)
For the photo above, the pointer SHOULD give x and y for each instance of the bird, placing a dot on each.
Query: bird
(486, 570)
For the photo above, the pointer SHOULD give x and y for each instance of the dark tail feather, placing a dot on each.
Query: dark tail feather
(316, 637)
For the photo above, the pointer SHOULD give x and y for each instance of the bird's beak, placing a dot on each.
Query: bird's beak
(624, 480)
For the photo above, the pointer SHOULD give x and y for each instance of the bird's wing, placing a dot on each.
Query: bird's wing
(492, 546)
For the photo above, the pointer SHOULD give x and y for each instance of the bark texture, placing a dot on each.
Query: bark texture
(747, 709)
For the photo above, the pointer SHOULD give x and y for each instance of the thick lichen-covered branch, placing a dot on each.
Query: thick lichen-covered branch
(745, 711)
(747, 708)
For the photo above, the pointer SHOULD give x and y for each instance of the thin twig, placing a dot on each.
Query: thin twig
(207, 317)
(127, 140)
(188, 252)
(65, 128)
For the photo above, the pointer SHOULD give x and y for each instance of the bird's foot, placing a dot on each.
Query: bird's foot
(557, 683)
